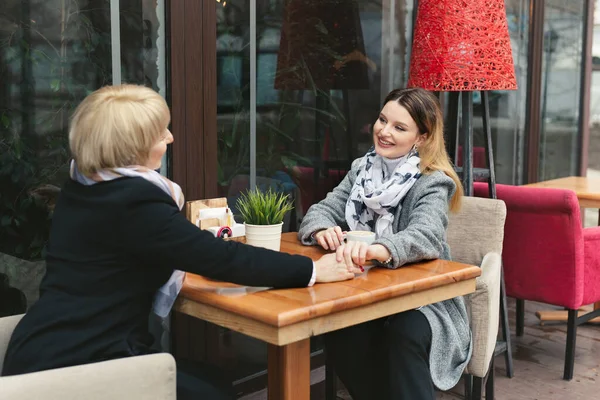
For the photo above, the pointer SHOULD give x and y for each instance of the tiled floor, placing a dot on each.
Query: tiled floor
(539, 360)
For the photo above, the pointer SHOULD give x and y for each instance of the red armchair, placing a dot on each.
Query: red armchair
(548, 256)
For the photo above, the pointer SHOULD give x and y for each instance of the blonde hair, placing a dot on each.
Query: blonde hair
(117, 126)
(424, 108)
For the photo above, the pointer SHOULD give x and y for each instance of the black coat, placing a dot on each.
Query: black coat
(112, 245)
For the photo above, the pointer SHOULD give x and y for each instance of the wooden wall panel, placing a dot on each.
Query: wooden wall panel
(193, 96)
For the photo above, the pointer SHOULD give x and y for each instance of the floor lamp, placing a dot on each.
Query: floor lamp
(461, 47)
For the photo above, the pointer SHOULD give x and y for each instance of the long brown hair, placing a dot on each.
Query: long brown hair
(424, 108)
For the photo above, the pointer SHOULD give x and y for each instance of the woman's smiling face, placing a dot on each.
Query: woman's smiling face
(395, 132)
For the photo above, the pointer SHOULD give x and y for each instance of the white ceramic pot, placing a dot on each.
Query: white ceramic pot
(267, 236)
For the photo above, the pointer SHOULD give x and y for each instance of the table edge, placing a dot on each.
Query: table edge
(282, 336)
(361, 299)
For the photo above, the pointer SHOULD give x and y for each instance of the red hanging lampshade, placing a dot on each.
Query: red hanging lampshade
(462, 45)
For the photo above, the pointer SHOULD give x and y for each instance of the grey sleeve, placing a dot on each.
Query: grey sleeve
(330, 211)
(425, 235)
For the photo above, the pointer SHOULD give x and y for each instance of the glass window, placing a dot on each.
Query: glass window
(561, 88)
(593, 167)
(52, 54)
(323, 68)
(594, 145)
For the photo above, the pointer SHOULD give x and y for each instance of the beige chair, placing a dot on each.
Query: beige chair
(475, 236)
(143, 377)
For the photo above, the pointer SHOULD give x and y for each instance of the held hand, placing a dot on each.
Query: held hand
(378, 252)
(328, 269)
(330, 238)
(356, 254)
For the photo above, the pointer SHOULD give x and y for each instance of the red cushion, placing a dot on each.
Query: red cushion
(479, 160)
(591, 243)
(543, 252)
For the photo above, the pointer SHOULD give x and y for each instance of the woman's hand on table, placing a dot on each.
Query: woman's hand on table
(356, 254)
(330, 238)
(329, 269)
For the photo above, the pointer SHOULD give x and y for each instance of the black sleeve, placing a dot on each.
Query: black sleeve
(156, 233)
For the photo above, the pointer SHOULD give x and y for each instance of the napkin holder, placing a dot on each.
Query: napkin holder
(215, 216)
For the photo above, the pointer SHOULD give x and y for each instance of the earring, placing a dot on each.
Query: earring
(414, 150)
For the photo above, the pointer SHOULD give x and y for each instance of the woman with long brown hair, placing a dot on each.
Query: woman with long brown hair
(402, 190)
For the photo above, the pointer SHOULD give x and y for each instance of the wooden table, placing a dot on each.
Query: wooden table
(287, 318)
(587, 191)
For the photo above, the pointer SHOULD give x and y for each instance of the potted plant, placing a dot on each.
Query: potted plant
(263, 213)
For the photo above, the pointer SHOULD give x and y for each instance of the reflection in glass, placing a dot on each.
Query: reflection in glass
(594, 143)
(561, 72)
(52, 54)
(323, 68)
(594, 146)
(322, 71)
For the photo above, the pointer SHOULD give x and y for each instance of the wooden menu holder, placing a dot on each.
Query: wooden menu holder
(192, 210)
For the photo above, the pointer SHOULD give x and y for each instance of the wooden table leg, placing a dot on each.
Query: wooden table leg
(289, 371)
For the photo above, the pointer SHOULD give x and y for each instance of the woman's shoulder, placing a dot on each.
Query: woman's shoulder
(356, 164)
(123, 191)
(436, 177)
(436, 180)
(354, 169)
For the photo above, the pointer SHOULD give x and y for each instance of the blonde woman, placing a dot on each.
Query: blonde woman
(402, 190)
(118, 233)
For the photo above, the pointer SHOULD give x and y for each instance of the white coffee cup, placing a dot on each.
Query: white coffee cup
(361, 236)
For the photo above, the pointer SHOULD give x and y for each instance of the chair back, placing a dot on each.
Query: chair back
(7, 326)
(475, 236)
(476, 229)
(543, 244)
(148, 377)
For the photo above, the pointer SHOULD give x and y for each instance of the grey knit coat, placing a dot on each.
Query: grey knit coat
(420, 234)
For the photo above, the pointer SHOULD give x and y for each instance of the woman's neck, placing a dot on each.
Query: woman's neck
(390, 164)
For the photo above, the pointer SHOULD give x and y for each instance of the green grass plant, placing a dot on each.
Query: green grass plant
(259, 207)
